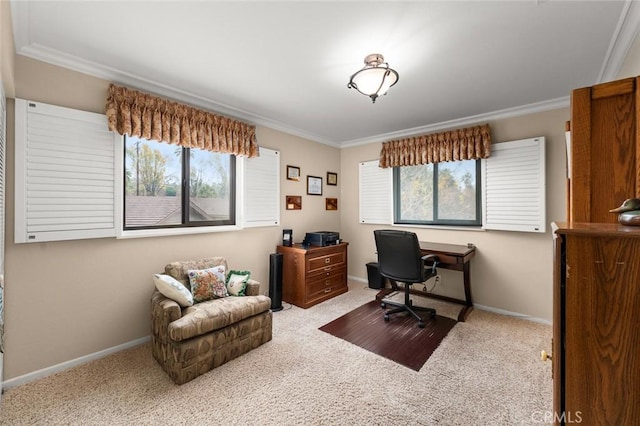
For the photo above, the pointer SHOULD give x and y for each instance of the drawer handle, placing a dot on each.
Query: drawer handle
(327, 282)
(327, 260)
(328, 290)
(328, 268)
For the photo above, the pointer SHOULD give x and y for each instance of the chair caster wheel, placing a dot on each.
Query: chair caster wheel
(432, 315)
(421, 324)
(383, 305)
(386, 318)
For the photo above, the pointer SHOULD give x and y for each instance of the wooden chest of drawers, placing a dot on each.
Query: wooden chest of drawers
(314, 274)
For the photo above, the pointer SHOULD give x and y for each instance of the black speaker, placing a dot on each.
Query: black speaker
(275, 281)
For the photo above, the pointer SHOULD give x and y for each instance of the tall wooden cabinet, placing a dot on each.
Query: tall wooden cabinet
(605, 149)
(596, 296)
(311, 275)
(596, 343)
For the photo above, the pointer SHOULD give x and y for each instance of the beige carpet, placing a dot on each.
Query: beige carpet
(485, 372)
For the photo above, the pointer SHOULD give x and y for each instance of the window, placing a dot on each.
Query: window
(169, 186)
(508, 190)
(446, 193)
(74, 179)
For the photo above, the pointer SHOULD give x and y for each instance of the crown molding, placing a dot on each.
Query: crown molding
(625, 33)
(464, 121)
(58, 58)
(64, 60)
(621, 41)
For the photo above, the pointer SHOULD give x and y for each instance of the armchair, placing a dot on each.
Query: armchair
(190, 341)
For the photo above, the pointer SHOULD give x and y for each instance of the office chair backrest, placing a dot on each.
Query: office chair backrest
(399, 256)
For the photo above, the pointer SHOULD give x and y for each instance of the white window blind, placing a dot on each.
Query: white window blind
(261, 195)
(376, 193)
(64, 174)
(514, 186)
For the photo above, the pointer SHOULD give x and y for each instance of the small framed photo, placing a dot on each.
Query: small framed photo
(331, 204)
(314, 185)
(294, 202)
(293, 173)
(332, 178)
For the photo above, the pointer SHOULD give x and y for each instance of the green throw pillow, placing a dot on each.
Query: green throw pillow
(237, 282)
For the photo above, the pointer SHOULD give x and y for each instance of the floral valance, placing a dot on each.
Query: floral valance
(134, 113)
(453, 145)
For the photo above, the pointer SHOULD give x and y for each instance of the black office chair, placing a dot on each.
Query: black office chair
(399, 259)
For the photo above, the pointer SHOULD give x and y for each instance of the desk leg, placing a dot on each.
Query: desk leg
(386, 291)
(468, 307)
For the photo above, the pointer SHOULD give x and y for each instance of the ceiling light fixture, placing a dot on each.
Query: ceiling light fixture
(375, 78)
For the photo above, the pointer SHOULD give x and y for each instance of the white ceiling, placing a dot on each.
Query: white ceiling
(286, 64)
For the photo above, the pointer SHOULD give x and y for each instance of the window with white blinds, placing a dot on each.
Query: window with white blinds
(65, 185)
(515, 186)
(376, 193)
(261, 195)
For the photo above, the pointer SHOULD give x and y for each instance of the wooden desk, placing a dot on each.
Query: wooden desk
(450, 256)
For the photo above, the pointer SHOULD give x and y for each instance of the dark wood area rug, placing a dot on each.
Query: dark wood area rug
(400, 339)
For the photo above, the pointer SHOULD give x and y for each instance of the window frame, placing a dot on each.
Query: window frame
(436, 221)
(168, 230)
(186, 223)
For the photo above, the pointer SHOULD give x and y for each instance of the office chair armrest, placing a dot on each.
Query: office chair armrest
(433, 258)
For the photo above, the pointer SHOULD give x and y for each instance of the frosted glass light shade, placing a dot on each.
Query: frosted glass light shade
(375, 78)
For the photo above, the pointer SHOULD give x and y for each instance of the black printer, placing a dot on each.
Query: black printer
(321, 238)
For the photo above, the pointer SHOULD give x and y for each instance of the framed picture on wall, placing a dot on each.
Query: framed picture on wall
(314, 185)
(331, 204)
(332, 178)
(293, 173)
(294, 202)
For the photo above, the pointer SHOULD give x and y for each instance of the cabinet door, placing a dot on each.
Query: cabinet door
(604, 150)
(602, 343)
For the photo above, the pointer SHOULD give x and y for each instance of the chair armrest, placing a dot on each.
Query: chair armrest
(163, 312)
(431, 258)
(253, 288)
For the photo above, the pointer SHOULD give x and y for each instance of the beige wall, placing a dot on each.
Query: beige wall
(65, 300)
(512, 271)
(631, 64)
(7, 51)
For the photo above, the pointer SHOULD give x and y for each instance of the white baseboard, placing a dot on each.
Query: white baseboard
(511, 314)
(485, 308)
(352, 278)
(39, 374)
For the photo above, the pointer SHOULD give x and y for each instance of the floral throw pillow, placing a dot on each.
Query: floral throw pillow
(207, 284)
(237, 282)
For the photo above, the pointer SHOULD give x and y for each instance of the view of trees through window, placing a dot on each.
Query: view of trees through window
(448, 197)
(154, 175)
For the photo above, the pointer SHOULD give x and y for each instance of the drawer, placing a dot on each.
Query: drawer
(331, 259)
(446, 259)
(336, 279)
(324, 293)
(325, 271)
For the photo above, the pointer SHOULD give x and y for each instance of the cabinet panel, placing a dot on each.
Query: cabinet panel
(596, 340)
(604, 150)
(602, 343)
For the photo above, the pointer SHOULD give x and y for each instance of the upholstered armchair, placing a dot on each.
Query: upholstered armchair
(192, 340)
